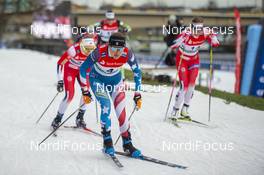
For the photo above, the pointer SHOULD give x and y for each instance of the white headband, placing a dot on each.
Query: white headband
(89, 41)
(110, 15)
(197, 25)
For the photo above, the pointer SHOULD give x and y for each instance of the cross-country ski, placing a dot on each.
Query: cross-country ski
(153, 160)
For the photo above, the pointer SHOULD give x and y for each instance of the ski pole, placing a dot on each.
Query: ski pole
(47, 108)
(86, 129)
(94, 132)
(128, 120)
(60, 125)
(96, 110)
(164, 53)
(172, 90)
(210, 82)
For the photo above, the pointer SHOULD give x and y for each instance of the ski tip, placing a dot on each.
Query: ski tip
(174, 122)
(115, 160)
(71, 126)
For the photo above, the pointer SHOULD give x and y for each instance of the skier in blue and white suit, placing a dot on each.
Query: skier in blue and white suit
(106, 81)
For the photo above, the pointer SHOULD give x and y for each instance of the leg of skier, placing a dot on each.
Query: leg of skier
(193, 70)
(184, 80)
(118, 98)
(69, 81)
(80, 123)
(102, 96)
(80, 117)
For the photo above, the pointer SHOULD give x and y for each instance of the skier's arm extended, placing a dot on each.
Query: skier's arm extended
(137, 78)
(212, 40)
(60, 64)
(63, 60)
(124, 28)
(179, 40)
(88, 63)
(136, 70)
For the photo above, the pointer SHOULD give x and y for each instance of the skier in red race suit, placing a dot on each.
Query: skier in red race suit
(188, 62)
(109, 26)
(70, 62)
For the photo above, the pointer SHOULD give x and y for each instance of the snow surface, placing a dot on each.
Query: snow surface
(28, 80)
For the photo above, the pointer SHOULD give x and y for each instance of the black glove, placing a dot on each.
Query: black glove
(60, 86)
(125, 30)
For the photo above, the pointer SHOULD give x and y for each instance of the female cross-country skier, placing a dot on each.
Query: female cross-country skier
(188, 62)
(70, 62)
(106, 83)
(110, 25)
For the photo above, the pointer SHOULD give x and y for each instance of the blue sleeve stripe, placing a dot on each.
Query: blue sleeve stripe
(136, 70)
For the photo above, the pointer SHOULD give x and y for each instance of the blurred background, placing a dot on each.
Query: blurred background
(238, 62)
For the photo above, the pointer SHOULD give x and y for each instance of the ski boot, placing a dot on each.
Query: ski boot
(80, 123)
(129, 148)
(56, 122)
(174, 113)
(185, 114)
(108, 143)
